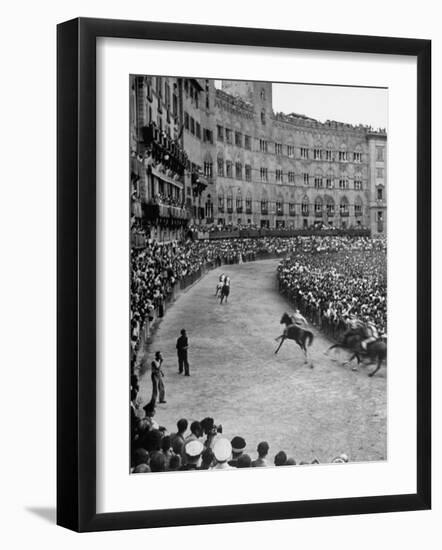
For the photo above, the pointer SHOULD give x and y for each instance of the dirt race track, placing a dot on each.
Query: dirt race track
(238, 380)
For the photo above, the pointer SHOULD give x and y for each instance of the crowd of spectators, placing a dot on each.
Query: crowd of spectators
(234, 227)
(326, 276)
(198, 446)
(329, 278)
(170, 200)
(342, 280)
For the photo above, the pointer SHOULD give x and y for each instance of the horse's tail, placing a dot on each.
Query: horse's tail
(308, 337)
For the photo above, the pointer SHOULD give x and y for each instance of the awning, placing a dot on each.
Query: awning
(167, 179)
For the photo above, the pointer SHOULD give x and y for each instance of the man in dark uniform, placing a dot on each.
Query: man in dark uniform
(182, 345)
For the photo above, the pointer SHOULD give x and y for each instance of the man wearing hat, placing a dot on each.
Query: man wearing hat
(238, 447)
(192, 450)
(182, 345)
(222, 451)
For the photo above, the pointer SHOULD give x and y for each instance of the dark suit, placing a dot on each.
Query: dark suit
(181, 345)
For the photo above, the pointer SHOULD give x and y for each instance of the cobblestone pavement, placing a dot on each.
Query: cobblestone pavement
(238, 380)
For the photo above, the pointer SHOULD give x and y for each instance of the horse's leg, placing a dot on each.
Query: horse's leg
(308, 360)
(280, 344)
(351, 359)
(331, 347)
(301, 344)
(378, 366)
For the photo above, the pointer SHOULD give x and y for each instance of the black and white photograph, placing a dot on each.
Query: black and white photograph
(258, 321)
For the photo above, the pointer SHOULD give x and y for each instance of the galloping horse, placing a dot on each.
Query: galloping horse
(376, 351)
(220, 284)
(302, 337)
(225, 291)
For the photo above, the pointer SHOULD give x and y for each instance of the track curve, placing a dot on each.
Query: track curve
(237, 379)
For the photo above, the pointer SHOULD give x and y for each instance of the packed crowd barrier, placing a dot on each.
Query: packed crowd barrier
(161, 270)
(334, 286)
(286, 233)
(198, 446)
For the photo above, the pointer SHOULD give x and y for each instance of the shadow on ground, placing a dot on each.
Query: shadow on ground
(46, 513)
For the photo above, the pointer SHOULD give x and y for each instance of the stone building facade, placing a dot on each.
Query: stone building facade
(241, 163)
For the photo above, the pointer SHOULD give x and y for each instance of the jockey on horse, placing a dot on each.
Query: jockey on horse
(220, 284)
(354, 326)
(225, 289)
(297, 318)
(371, 333)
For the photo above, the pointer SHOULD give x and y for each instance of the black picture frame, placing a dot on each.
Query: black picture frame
(76, 273)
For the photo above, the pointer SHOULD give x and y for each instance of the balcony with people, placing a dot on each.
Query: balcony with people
(161, 151)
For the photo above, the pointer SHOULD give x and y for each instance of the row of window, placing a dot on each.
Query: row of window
(318, 206)
(227, 135)
(194, 127)
(319, 181)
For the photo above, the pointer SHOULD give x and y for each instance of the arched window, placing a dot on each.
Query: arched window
(358, 181)
(305, 206)
(263, 94)
(280, 205)
(208, 165)
(343, 153)
(328, 153)
(263, 117)
(317, 152)
(330, 206)
(318, 206)
(343, 180)
(249, 203)
(357, 154)
(264, 204)
(358, 206)
(209, 209)
(239, 201)
(221, 201)
(330, 180)
(230, 201)
(220, 165)
(238, 171)
(343, 207)
(319, 183)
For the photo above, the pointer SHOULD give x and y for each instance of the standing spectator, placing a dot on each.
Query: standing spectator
(280, 459)
(157, 379)
(207, 459)
(177, 439)
(244, 461)
(222, 451)
(175, 463)
(238, 447)
(263, 449)
(182, 345)
(196, 432)
(166, 449)
(193, 450)
(157, 462)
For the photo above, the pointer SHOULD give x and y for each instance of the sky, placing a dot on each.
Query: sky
(352, 105)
